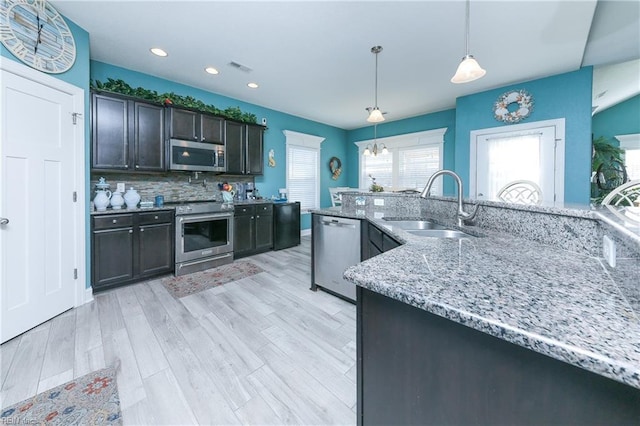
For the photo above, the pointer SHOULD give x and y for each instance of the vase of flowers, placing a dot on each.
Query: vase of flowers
(374, 186)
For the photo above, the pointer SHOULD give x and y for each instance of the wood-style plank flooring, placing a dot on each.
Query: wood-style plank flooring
(261, 350)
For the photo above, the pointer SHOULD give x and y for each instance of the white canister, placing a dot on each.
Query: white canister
(116, 200)
(132, 198)
(101, 201)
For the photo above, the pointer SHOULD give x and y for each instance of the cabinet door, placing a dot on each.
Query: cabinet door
(109, 133)
(112, 256)
(183, 124)
(243, 237)
(254, 156)
(234, 134)
(148, 137)
(156, 249)
(264, 227)
(211, 129)
(388, 243)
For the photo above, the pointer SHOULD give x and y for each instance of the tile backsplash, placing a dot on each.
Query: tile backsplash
(174, 186)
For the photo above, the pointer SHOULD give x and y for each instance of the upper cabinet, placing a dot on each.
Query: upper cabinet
(126, 134)
(195, 126)
(244, 146)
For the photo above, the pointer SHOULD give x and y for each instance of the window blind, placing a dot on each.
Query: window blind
(415, 167)
(302, 176)
(380, 167)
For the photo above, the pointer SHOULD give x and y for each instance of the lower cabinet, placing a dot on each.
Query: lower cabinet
(129, 247)
(375, 241)
(253, 229)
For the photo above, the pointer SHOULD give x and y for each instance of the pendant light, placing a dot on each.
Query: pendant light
(375, 116)
(469, 69)
(369, 151)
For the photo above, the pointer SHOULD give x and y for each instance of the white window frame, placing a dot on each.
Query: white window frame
(629, 142)
(503, 131)
(312, 142)
(396, 143)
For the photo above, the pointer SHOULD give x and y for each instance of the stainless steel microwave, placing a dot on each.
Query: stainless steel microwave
(196, 156)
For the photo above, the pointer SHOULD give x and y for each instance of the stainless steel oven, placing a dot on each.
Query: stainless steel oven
(204, 236)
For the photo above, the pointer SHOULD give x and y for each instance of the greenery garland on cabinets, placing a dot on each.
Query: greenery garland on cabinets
(170, 98)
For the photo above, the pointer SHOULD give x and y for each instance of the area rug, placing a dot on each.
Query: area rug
(88, 400)
(198, 281)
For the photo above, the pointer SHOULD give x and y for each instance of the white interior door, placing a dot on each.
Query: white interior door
(38, 166)
(532, 152)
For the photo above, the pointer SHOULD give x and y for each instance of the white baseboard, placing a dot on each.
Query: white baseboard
(88, 295)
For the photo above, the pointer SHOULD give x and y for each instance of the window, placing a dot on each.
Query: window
(411, 160)
(631, 146)
(531, 152)
(303, 169)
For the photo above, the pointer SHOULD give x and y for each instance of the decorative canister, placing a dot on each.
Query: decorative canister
(132, 198)
(116, 200)
(101, 201)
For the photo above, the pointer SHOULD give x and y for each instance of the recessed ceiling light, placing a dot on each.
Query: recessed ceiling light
(253, 85)
(158, 52)
(211, 70)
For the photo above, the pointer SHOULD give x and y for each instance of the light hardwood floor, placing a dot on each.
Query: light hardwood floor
(261, 350)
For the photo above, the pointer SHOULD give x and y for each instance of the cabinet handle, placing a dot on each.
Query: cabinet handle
(126, 166)
(115, 221)
(141, 229)
(257, 216)
(131, 231)
(137, 166)
(203, 139)
(195, 137)
(155, 217)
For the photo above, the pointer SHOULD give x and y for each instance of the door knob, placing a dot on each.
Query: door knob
(3, 220)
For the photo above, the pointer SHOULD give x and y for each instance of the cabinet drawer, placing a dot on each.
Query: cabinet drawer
(244, 210)
(112, 221)
(150, 218)
(375, 236)
(264, 209)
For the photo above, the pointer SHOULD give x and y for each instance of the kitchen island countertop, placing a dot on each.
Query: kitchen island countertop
(562, 304)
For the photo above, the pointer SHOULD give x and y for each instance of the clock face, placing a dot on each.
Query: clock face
(35, 33)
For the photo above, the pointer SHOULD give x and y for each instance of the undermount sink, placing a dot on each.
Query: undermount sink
(415, 224)
(426, 228)
(438, 233)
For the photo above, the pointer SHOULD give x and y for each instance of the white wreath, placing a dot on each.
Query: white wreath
(525, 106)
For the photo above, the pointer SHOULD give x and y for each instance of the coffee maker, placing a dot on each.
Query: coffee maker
(249, 191)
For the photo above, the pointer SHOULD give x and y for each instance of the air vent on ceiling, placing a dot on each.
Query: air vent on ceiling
(240, 67)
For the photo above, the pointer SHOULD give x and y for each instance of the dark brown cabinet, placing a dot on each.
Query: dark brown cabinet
(253, 229)
(129, 247)
(375, 241)
(195, 126)
(415, 367)
(244, 145)
(126, 134)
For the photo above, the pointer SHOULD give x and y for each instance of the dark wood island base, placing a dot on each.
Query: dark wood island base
(415, 367)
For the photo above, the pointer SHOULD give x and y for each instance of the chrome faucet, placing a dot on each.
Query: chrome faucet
(461, 215)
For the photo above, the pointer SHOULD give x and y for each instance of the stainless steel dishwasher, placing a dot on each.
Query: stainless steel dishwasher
(336, 246)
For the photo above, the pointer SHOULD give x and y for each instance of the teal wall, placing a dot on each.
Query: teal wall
(273, 178)
(565, 96)
(420, 123)
(620, 119)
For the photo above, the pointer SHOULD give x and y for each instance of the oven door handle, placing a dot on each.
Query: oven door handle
(200, 217)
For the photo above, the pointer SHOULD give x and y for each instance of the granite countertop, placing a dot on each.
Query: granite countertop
(562, 304)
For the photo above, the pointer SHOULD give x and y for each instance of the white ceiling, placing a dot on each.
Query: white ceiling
(312, 58)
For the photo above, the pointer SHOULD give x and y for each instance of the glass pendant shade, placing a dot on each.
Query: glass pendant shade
(375, 116)
(367, 152)
(468, 70)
